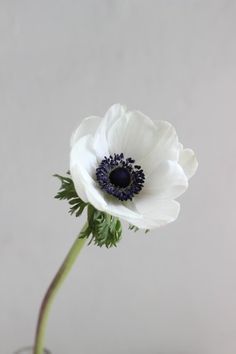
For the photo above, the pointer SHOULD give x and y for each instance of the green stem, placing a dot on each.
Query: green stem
(53, 289)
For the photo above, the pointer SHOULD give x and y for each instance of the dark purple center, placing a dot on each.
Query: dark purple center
(120, 177)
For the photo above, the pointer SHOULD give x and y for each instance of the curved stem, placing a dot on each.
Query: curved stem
(53, 289)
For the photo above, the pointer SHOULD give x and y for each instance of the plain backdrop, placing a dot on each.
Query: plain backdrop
(172, 291)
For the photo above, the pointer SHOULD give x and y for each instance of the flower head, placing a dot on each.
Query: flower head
(130, 167)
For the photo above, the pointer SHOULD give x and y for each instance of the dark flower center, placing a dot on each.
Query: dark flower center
(120, 177)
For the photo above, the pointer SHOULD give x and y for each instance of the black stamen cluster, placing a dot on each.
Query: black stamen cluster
(119, 167)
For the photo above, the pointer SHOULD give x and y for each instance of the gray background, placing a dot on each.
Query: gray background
(173, 290)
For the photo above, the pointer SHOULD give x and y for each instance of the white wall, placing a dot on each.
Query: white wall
(171, 291)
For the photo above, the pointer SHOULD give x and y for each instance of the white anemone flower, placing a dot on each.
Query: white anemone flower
(131, 167)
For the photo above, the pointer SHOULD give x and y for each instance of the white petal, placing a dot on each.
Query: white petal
(83, 155)
(134, 134)
(167, 181)
(188, 161)
(83, 164)
(95, 196)
(105, 202)
(166, 147)
(113, 113)
(155, 213)
(79, 186)
(121, 210)
(87, 126)
(100, 138)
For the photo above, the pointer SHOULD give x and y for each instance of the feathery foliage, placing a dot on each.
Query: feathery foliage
(105, 228)
(67, 192)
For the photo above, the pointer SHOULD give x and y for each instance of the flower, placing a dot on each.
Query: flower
(130, 167)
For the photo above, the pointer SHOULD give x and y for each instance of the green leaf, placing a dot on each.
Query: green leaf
(105, 229)
(85, 233)
(67, 192)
